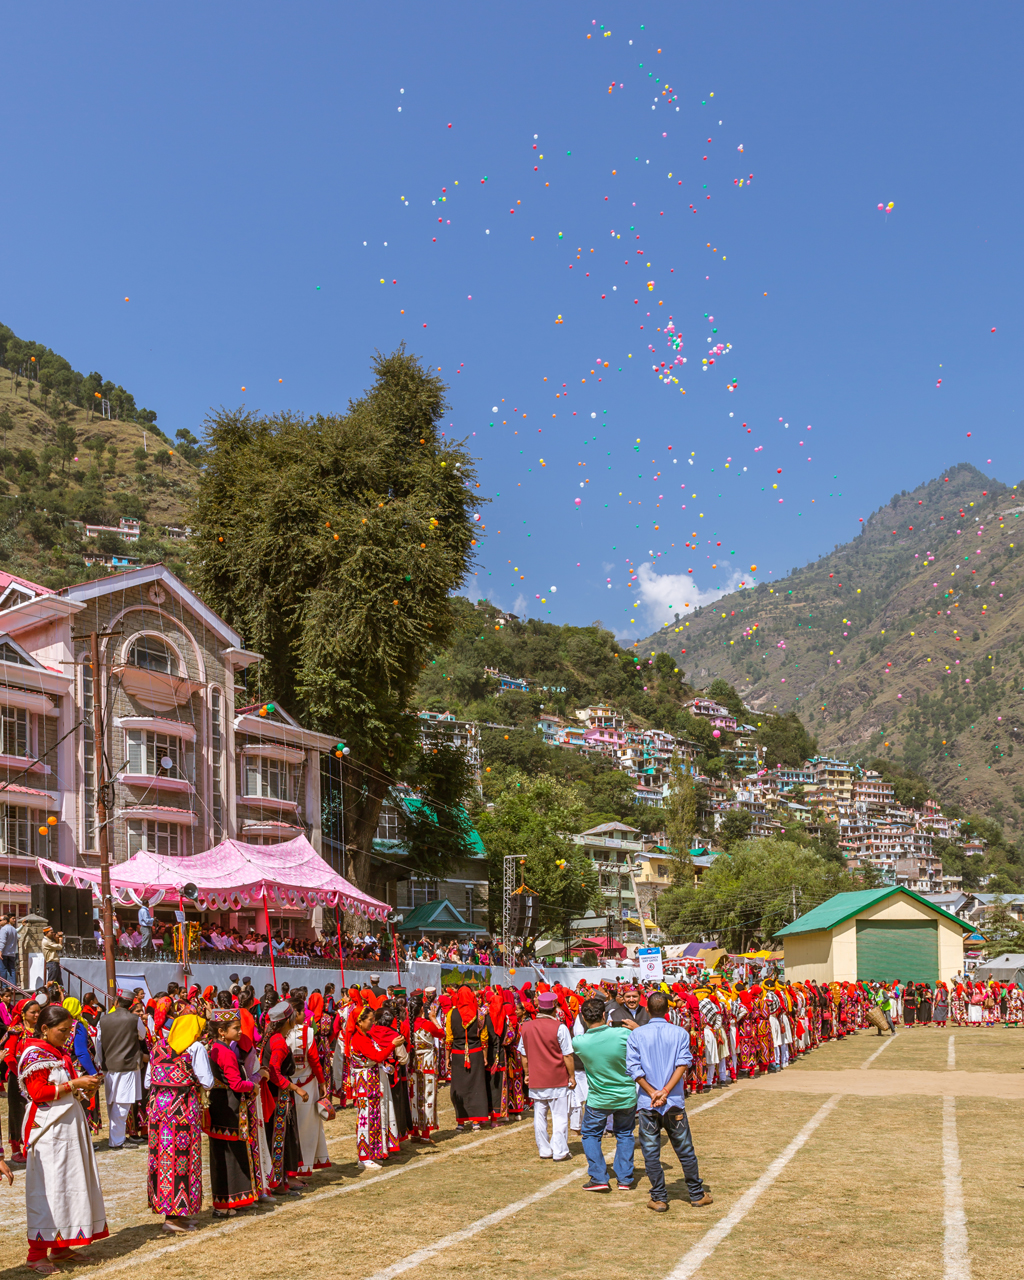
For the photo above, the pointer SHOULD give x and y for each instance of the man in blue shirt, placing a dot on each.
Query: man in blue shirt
(145, 925)
(9, 949)
(657, 1056)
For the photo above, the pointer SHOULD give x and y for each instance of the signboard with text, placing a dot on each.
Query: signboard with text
(651, 969)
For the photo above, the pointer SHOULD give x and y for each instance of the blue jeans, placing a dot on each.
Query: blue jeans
(9, 964)
(677, 1127)
(594, 1120)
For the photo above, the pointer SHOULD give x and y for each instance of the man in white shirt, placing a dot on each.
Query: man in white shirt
(550, 1073)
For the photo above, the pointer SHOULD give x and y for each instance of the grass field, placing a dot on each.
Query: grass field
(849, 1169)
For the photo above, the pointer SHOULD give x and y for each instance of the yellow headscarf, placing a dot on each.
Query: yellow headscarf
(73, 1006)
(185, 1031)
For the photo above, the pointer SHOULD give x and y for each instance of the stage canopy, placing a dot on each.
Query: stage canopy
(230, 877)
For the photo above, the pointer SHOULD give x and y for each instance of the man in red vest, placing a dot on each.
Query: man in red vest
(546, 1047)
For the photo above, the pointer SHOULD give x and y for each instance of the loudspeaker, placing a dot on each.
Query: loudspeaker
(44, 901)
(66, 909)
(521, 913)
(76, 913)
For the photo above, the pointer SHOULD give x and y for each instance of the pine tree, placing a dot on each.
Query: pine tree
(332, 544)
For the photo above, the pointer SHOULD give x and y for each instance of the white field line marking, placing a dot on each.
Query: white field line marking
(956, 1259)
(877, 1052)
(951, 1055)
(327, 1193)
(439, 1246)
(724, 1097)
(703, 1249)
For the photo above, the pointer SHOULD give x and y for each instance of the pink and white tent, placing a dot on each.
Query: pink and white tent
(230, 877)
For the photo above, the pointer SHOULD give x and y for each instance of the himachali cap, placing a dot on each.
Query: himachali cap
(547, 1000)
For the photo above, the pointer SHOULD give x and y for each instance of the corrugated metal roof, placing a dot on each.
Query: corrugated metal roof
(843, 906)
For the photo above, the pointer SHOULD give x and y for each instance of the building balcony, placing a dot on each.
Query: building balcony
(156, 689)
(268, 802)
(159, 813)
(156, 782)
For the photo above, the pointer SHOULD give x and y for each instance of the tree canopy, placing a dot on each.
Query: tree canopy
(332, 543)
(530, 819)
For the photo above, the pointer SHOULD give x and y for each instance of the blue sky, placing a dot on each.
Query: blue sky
(248, 175)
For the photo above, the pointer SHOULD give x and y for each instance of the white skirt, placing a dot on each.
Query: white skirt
(63, 1199)
(312, 1140)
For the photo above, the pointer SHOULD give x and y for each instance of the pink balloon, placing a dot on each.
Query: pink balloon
(578, 501)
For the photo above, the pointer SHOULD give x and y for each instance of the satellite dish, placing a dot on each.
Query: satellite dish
(166, 762)
(190, 891)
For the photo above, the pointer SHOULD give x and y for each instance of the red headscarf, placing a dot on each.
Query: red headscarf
(465, 1002)
(496, 1008)
(316, 1006)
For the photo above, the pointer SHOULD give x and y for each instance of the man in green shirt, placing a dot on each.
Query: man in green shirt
(611, 1091)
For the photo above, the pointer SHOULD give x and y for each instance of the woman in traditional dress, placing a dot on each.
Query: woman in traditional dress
(958, 1004)
(426, 1032)
(80, 1052)
(178, 1066)
(232, 1122)
(63, 1200)
(924, 1003)
(1015, 1005)
(466, 1038)
(975, 1003)
(309, 1076)
(279, 1094)
(742, 1012)
(940, 1009)
(910, 1005)
(990, 1005)
(502, 1038)
(376, 1125)
(19, 1033)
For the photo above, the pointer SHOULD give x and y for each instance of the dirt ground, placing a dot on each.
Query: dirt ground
(863, 1194)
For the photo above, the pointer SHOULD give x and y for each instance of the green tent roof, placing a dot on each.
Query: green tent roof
(843, 906)
(474, 845)
(437, 917)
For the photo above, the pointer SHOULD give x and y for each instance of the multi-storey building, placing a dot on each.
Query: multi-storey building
(438, 727)
(187, 768)
(872, 791)
(837, 775)
(720, 717)
(611, 846)
(465, 887)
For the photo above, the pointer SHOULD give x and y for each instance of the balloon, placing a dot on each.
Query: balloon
(578, 501)
(715, 733)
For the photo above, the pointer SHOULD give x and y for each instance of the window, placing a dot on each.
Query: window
(469, 904)
(17, 831)
(216, 749)
(387, 823)
(8, 653)
(147, 752)
(151, 654)
(154, 837)
(414, 893)
(13, 731)
(267, 779)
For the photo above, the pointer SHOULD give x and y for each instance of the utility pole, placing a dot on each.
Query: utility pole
(106, 900)
(794, 902)
(636, 898)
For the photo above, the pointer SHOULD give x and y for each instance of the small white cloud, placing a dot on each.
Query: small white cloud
(520, 607)
(663, 595)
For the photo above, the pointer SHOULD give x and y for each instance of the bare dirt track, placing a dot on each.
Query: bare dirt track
(831, 1167)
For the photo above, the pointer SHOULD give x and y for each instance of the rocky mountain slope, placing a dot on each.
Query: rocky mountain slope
(907, 642)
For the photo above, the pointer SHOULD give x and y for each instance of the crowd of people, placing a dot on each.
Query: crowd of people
(259, 1075)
